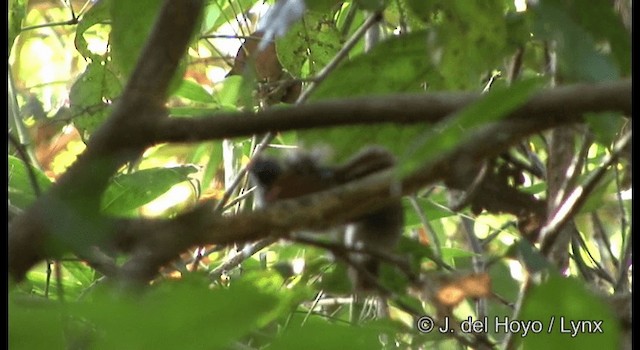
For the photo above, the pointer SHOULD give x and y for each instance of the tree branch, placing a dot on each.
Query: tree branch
(68, 216)
(70, 211)
(155, 242)
(562, 102)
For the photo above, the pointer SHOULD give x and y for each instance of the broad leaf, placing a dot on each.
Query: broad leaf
(21, 191)
(579, 59)
(327, 335)
(313, 42)
(193, 91)
(131, 24)
(91, 97)
(465, 39)
(17, 12)
(97, 14)
(130, 191)
(444, 136)
(562, 302)
(400, 65)
(142, 324)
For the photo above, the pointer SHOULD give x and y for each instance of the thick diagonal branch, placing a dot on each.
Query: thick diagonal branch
(158, 241)
(68, 216)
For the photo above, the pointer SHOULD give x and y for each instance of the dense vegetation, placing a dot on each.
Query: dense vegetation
(133, 223)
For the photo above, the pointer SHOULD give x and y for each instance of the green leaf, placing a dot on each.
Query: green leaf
(371, 5)
(327, 336)
(91, 96)
(130, 191)
(399, 63)
(504, 285)
(196, 112)
(411, 301)
(21, 191)
(212, 12)
(603, 24)
(346, 141)
(215, 159)
(314, 41)
(321, 5)
(393, 279)
(416, 251)
(605, 126)
(97, 14)
(17, 12)
(400, 66)
(533, 260)
(193, 91)
(230, 10)
(430, 209)
(212, 153)
(419, 9)
(28, 316)
(448, 254)
(232, 88)
(80, 272)
(601, 194)
(336, 280)
(444, 136)
(466, 39)
(132, 23)
(578, 57)
(562, 301)
(182, 315)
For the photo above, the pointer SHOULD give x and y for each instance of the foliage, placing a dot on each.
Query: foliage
(75, 75)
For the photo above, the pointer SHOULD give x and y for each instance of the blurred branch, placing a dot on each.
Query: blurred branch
(155, 242)
(77, 222)
(340, 56)
(244, 254)
(17, 125)
(69, 214)
(27, 164)
(555, 106)
(578, 196)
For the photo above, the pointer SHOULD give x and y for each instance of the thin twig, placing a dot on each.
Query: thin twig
(520, 164)
(241, 256)
(601, 235)
(495, 232)
(47, 282)
(57, 269)
(220, 206)
(623, 212)
(27, 164)
(343, 250)
(472, 190)
(625, 262)
(15, 122)
(600, 270)
(424, 221)
(341, 55)
(72, 21)
(479, 263)
(508, 342)
(344, 51)
(574, 201)
(238, 199)
(315, 302)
